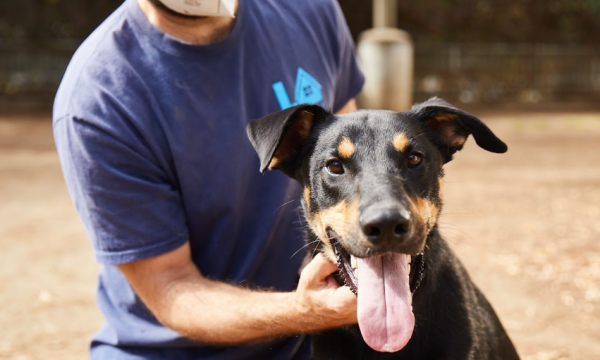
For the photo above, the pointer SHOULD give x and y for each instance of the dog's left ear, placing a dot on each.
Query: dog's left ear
(278, 137)
(449, 127)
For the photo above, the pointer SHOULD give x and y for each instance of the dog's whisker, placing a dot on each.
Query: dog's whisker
(458, 213)
(454, 231)
(306, 245)
(284, 204)
(315, 249)
(415, 137)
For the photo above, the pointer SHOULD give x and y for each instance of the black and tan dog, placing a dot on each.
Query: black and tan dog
(372, 194)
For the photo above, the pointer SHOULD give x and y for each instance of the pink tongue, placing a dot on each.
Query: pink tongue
(385, 318)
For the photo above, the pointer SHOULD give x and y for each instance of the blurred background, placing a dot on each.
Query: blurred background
(473, 51)
(525, 223)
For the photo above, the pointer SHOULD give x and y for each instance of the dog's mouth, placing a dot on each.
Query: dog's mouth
(348, 268)
(384, 306)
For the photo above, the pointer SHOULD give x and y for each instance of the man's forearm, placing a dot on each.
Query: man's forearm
(218, 313)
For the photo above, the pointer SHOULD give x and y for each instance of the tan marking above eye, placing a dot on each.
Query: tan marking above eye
(346, 148)
(400, 142)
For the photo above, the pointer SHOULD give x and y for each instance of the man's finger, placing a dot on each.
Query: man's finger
(305, 262)
(319, 268)
(345, 294)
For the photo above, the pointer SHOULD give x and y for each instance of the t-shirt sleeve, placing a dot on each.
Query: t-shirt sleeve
(350, 78)
(128, 204)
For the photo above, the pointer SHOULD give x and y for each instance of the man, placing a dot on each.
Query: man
(200, 251)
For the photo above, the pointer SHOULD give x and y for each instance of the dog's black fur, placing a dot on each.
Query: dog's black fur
(378, 175)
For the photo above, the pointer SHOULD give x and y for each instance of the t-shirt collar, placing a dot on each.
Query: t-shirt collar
(177, 47)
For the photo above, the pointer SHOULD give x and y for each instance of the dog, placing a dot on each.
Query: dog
(372, 183)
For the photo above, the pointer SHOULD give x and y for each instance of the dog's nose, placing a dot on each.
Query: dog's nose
(385, 223)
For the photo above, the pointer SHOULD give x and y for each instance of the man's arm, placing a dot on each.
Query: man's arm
(214, 312)
(218, 313)
(349, 107)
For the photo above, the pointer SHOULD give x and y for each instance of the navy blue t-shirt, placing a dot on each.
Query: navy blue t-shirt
(151, 137)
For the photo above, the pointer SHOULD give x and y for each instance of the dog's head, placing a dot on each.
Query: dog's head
(372, 183)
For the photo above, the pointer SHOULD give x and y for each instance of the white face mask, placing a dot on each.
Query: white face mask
(202, 7)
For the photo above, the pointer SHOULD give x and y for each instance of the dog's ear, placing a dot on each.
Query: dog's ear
(278, 137)
(449, 127)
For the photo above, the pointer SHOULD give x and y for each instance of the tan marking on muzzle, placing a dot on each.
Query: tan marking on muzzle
(307, 196)
(342, 218)
(400, 142)
(427, 211)
(346, 148)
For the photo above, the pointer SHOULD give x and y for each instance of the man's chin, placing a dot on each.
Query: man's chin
(164, 9)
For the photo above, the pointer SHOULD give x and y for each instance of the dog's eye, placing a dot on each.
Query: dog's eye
(335, 167)
(414, 159)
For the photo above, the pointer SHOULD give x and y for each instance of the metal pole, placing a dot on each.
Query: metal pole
(385, 13)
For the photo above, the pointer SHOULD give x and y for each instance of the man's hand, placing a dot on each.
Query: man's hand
(218, 313)
(319, 294)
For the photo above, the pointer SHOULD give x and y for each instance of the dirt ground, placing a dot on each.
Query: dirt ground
(524, 223)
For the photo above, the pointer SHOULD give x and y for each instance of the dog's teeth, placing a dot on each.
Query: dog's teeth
(409, 268)
(356, 273)
(408, 258)
(353, 262)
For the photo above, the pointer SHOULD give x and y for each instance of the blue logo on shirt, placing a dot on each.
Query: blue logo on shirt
(307, 91)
